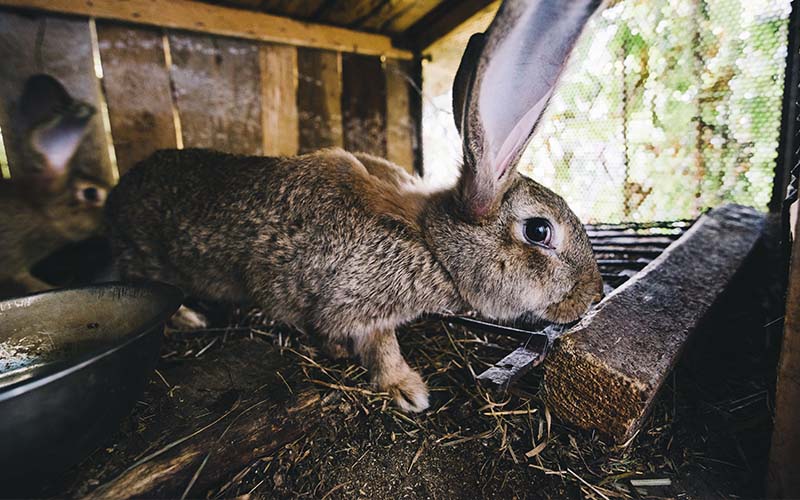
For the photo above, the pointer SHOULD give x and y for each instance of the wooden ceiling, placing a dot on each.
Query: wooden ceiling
(412, 24)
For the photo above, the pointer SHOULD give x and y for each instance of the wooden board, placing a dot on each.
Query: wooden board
(211, 416)
(278, 65)
(400, 17)
(217, 92)
(606, 372)
(206, 18)
(440, 21)
(364, 104)
(401, 132)
(63, 49)
(319, 99)
(784, 459)
(137, 86)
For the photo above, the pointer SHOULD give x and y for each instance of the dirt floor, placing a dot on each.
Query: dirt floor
(255, 410)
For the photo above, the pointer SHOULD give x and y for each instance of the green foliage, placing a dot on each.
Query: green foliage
(670, 107)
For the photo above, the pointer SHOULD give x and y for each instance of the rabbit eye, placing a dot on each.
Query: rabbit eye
(538, 231)
(91, 194)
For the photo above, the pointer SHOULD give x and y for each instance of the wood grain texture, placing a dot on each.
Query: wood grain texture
(784, 459)
(441, 20)
(137, 86)
(383, 16)
(319, 99)
(222, 413)
(401, 130)
(398, 16)
(217, 92)
(364, 104)
(63, 49)
(278, 65)
(206, 18)
(606, 372)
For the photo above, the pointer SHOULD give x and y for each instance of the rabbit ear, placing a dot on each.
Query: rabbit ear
(463, 79)
(522, 55)
(54, 122)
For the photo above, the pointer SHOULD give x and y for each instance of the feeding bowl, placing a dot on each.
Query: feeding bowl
(72, 364)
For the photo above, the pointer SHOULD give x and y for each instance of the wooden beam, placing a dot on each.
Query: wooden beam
(278, 64)
(784, 459)
(220, 453)
(137, 85)
(606, 372)
(319, 99)
(401, 130)
(440, 21)
(217, 92)
(217, 20)
(363, 104)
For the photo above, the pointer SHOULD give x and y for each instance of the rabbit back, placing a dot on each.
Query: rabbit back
(316, 239)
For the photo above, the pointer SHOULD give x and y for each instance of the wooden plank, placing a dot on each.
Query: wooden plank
(511, 368)
(292, 8)
(220, 453)
(784, 458)
(217, 92)
(352, 13)
(137, 86)
(219, 20)
(440, 21)
(364, 104)
(605, 373)
(400, 17)
(63, 49)
(401, 129)
(278, 65)
(226, 409)
(319, 99)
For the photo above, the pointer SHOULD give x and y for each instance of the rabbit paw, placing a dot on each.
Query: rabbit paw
(406, 388)
(188, 319)
(335, 350)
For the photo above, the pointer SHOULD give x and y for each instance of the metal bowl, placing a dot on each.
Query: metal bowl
(72, 364)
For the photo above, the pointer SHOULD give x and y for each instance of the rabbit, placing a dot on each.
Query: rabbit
(349, 246)
(48, 202)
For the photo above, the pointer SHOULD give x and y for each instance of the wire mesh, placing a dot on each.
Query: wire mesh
(668, 107)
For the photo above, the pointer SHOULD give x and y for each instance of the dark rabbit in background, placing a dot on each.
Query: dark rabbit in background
(48, 202)
(348, 246)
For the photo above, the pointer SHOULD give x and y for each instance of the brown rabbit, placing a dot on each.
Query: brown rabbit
(347, 246)
(48, 202)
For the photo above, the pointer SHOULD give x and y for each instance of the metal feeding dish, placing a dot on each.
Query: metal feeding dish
(72, 363)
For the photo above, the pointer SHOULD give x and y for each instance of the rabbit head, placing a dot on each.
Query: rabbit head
(512, 246)
(52, 125)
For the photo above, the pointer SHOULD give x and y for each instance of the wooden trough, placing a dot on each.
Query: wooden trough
(605, 372)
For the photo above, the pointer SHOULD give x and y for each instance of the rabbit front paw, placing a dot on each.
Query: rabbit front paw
(188, 319)
(336, 350)
(406, 387)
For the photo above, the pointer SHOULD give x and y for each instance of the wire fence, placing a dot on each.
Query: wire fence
(667, 108)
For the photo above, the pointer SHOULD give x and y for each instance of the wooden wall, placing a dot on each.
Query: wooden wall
(165, 89)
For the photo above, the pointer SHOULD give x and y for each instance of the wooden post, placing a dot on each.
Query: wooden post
(783, 480)
(606, 372)
(136, 81)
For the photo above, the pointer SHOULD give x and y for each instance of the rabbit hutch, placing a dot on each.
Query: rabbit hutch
(672, 134)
